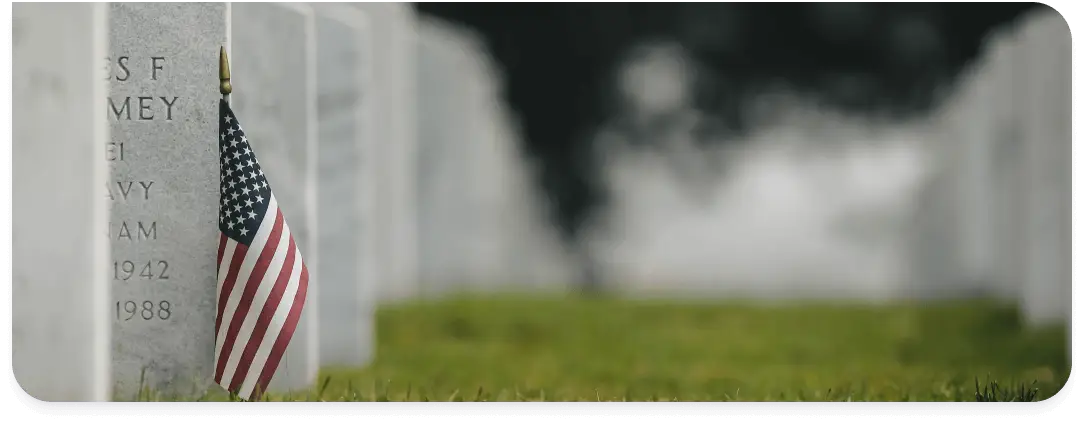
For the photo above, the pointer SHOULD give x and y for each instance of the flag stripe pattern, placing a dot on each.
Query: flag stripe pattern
(262, 279)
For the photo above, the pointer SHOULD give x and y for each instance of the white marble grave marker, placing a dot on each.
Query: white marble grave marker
(347, 183)
(393, 33)
(273, 73)
(60, 295)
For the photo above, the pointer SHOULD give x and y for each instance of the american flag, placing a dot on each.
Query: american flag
(262, 280)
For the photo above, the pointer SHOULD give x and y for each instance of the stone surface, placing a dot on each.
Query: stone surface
(346, 180)
(59, 289)
(392, 28)
(273, 59)
(163, 69)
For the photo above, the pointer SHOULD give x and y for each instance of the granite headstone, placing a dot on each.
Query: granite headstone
(162, 107)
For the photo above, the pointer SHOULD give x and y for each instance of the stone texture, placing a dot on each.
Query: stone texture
(59, 251)
(163, 108)
(273, 59)
(346, 181)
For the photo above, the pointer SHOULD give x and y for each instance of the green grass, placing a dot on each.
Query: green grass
(577, 349)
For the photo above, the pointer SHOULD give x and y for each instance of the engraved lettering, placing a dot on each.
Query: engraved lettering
(127, 310)
(143, 231)
(125, 189)
(123, 62)
(155, 67)
(114, 151)
(146, 189)
(169, 107)
(144, 106)
(149, 270)
(123, 109)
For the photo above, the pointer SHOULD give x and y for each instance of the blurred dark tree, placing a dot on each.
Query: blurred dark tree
(558, 57)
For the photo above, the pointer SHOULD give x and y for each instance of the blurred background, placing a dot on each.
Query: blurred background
(734, 200)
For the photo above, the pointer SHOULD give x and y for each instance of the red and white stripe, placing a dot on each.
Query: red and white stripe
(261, 290)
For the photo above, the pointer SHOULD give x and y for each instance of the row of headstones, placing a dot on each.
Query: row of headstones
(995, 217)
(134, 307)
(480, 224)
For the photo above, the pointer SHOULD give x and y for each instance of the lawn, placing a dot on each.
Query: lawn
(576, 349)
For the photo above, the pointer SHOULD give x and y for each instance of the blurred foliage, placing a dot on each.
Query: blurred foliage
(575, 349)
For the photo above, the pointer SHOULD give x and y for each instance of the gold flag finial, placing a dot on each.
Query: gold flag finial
(224, 73)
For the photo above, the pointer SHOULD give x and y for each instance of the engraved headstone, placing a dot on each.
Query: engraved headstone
(163, 154)
(273, 65)
(60, 311)
(346, 187)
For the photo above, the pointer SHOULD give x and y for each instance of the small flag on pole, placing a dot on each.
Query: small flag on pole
(262, 280)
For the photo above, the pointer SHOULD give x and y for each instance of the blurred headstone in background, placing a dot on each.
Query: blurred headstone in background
(446, 218)
(806, 204)
(61, 308)
(1009, 202)
(482, 225)
(273, 59)
(1003, 146)
(163, 64)
(346, 186)
(392, 28)
(964, 128)
(1047, 131)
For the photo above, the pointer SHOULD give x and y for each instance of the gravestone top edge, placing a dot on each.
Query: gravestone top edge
(352, 16)
(303, 8)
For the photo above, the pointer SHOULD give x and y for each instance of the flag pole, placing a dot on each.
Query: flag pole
(224, 86)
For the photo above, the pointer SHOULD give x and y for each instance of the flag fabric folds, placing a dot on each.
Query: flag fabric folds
(262, 279)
